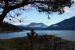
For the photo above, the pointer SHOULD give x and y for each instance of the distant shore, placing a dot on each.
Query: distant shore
(6, 27)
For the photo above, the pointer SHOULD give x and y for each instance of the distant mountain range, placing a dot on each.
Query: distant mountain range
(6, 27)
(67, 24)
(36, 26)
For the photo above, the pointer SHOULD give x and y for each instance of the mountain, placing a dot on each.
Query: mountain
(6, 27)
(34, 26)
(37, 25)
(67, 24)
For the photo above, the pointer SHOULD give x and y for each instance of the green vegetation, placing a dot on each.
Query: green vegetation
(37, 42)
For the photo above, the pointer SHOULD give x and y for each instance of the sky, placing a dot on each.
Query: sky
(32, 15)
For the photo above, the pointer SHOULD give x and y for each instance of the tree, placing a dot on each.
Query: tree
(48, 6)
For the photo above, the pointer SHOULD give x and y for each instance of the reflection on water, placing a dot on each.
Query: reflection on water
(65, 34)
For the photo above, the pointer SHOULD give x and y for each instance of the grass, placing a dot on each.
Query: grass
(37, 42)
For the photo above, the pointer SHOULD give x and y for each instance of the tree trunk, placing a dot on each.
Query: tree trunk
(2, 16)
(4, 13)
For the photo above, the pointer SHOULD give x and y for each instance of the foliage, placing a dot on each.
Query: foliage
(48, 6)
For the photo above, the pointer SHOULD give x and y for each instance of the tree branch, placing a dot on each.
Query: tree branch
(25, 2)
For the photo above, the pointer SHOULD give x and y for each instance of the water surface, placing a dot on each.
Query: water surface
(65, 34)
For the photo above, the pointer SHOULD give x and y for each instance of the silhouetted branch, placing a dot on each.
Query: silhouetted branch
(48, 6)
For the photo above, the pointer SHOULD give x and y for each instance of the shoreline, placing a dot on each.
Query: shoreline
(42, 41)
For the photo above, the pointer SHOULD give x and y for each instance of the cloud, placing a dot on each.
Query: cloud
(67, 9)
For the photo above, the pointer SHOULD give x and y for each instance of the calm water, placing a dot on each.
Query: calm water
(65, 34)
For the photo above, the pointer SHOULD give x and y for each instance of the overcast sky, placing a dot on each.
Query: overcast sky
(32, 15)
